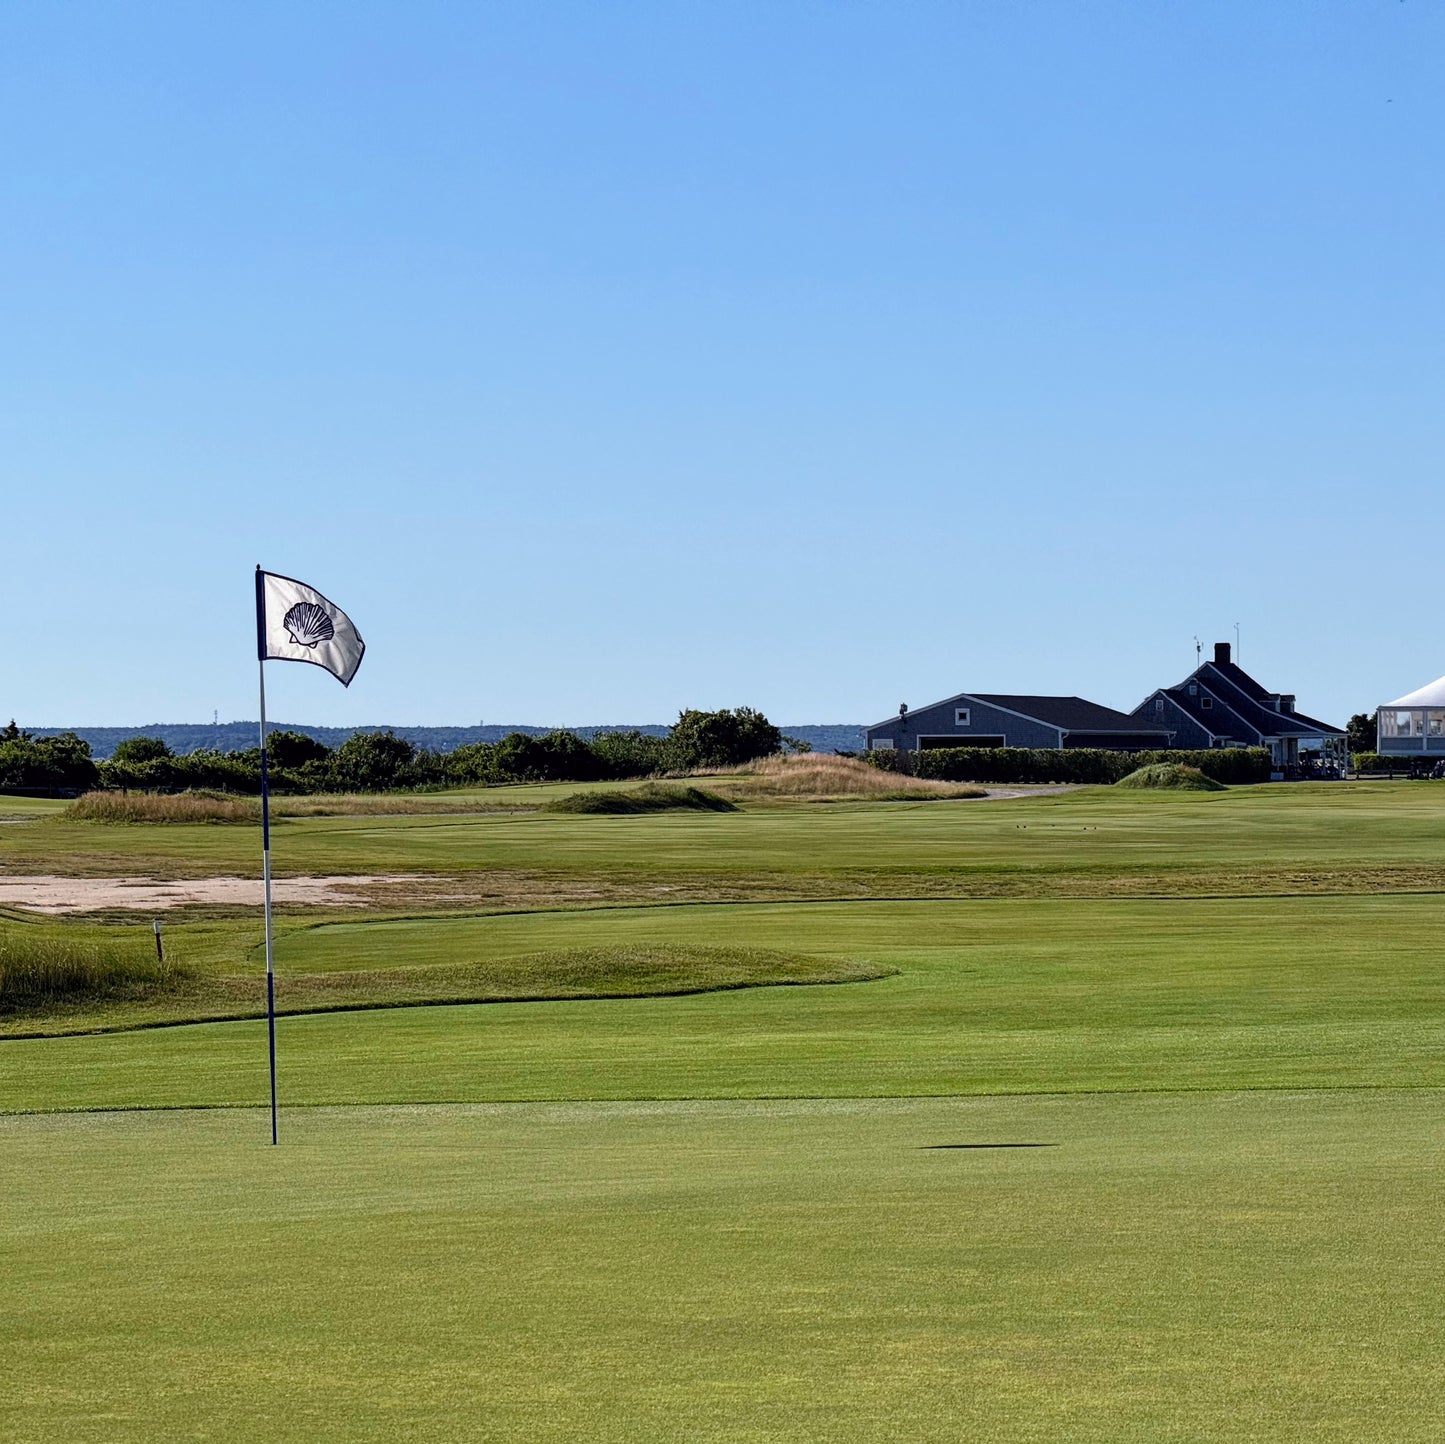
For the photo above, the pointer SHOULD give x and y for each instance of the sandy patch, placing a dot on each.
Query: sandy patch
(94, 894)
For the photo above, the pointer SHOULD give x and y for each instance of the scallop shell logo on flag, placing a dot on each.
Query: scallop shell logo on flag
(308, 624)
(295, 623)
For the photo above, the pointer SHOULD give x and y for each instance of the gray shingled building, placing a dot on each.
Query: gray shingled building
(998, 719)
(1220, 705)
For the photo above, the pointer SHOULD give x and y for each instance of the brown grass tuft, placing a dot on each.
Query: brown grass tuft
(823, 776)
(162, 807)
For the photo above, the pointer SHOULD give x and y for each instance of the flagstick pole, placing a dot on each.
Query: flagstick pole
(266, 846)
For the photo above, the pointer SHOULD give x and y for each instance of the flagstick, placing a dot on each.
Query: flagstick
(266, 847)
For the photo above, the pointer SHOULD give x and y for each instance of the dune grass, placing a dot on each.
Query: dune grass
(45, 969)
(651, 797)
(174, 807)
(826, 777)
(1170, 777)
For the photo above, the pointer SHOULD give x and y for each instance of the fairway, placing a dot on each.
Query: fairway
(1089, 1128)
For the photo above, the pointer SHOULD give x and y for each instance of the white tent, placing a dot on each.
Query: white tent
(1432, 695)
(1414, 723)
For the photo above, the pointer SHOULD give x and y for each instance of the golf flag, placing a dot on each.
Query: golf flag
(295, 623)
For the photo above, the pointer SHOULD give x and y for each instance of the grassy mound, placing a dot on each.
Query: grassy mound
(1171, 777)
(162, 807)
(653, 797)
(42, 971)
(87, 998)
(641, 971)
(823, 777)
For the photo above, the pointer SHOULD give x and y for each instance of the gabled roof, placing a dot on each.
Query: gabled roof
(1236, 692)
(1431, 695)
(1073, 714)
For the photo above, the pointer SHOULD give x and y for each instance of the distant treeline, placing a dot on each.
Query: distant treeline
(383, 761)
(183, 737)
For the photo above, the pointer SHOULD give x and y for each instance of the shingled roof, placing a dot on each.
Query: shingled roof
(1073, 714)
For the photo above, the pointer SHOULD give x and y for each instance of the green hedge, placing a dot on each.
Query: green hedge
(1395, 762)
(1072, 764)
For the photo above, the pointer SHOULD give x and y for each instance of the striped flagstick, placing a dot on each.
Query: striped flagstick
(294, 623)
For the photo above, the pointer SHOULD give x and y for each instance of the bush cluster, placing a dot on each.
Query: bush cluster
(1070, 764)
(384, 762)
(42, 763)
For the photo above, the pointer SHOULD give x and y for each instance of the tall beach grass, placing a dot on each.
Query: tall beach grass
(41, 968)
(162, 807)
(821, 776)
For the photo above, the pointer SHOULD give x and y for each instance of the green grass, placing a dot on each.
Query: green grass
(1217, 1268)
(1225, 1012)
(90, 991)
(1170, 777)
(989, 997)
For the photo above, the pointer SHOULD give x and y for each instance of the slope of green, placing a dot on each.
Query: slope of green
(990, 997)
(1207, 1269)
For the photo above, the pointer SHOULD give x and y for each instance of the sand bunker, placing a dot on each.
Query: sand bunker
(97, 894)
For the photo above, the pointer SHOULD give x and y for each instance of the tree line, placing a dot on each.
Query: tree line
(384, 762)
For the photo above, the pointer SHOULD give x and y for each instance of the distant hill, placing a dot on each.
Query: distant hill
(238, 736)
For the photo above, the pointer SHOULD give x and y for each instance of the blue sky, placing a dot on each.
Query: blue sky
(603, 359)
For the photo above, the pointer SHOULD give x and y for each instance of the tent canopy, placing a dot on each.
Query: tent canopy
(1432, 695)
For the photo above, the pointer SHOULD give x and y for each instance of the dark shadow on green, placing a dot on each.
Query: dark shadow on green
(927, 1146)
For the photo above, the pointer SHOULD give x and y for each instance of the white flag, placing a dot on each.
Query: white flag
(295, 623)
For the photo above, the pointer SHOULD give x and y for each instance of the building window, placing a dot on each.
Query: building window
(1206, 702)
(960, 716)
(881, 744)
(1194, 689)
(1158, 706)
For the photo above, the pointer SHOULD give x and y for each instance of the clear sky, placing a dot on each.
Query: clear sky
(603, 359)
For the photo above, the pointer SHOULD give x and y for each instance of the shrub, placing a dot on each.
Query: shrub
(559, 756)
(630, 754)
(370, 762)
(1172, 777)
(721, 739)
(656, 797)
(133, 750)
(61, 761)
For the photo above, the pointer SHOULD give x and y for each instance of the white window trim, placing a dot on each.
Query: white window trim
(881, 744)
(960, 717)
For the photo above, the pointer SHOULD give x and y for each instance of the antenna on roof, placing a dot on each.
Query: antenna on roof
(1198, 651)
(1236, 641)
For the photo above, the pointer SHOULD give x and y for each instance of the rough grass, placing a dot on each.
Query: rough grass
(178, 807)
(652, 797)
(141, 995)
(824, 777)
(1171, 777)
(383, 804)
(42, 969)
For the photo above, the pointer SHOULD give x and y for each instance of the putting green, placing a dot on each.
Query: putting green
(1209, 1268)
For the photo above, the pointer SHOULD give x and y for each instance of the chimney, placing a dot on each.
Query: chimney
(1221, 654)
